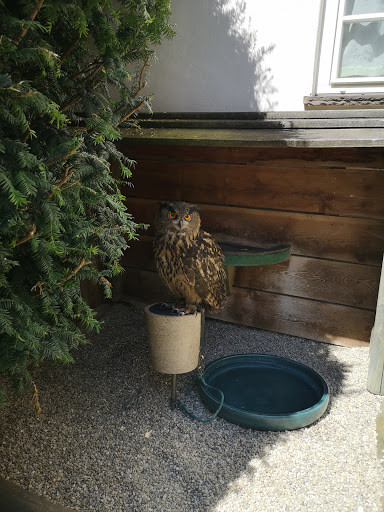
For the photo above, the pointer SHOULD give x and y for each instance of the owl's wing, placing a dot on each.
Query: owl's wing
(203, 269)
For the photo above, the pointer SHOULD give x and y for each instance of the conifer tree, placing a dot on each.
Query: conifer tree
(71, 73)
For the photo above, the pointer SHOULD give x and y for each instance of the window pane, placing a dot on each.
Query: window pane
(362, 50)
(363, 6)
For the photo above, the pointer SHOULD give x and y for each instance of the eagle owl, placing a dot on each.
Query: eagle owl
(188, 259)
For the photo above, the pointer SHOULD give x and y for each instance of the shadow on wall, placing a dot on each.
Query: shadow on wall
(214, 63)
(252, 76)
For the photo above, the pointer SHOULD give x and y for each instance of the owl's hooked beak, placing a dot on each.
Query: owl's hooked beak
(180, 224)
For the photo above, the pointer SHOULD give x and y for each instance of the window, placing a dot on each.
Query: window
(350, 49)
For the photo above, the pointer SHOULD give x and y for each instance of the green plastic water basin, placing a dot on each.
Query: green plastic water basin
(265, 392)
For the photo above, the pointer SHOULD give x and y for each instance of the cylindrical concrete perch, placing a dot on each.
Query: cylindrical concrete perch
(174, 340)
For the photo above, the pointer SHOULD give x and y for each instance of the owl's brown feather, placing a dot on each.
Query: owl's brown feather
(188, 259)
(204, 261)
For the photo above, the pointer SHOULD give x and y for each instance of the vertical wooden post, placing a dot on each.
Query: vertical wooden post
(375, 382)
(230, 276)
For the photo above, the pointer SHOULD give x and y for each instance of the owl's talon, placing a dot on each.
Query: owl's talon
(191, 308)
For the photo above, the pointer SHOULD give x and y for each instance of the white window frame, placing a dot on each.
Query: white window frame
(328, 53)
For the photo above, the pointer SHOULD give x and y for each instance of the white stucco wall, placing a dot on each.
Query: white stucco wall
(236, 55)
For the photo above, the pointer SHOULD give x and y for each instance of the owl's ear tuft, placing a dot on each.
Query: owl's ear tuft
(163, 204)
(193, 208)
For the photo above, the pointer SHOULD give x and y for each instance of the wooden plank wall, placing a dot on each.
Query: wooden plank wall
(327, 203)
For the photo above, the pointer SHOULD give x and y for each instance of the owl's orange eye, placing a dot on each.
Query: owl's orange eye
(187, 217)
(172, 215)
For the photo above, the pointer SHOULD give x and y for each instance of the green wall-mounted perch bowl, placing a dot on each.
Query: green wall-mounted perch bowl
(248, 256)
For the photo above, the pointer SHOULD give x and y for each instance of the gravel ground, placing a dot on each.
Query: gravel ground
(108, 441)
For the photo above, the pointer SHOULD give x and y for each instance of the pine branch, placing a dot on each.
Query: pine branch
(67, 155)
(79, 266)
(32, 16)
(88, 68)
(38, 285)
(108, 283)
(126, 52)
(78, 98)
(97, 83)
(142, 84)
(35, 400)
(27, 134)
(69, 49)
(95, 71)
(139, 106)
(30, 235)
(61, 183)
(24, 94)
(71, 185)
(71, 104)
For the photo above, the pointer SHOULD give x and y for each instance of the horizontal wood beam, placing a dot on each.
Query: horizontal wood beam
(331, 191)
(348, 158)
(278, 137)
(347, 239)
(312, 278)
(330, 323)
(324, 280)
(296, 114)
(263, 124)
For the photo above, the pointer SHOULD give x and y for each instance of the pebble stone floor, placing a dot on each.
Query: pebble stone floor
(107, 440)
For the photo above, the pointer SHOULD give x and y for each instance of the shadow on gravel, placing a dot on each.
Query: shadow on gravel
(107, 439)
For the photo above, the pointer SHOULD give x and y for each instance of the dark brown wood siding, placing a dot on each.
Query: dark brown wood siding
(327, 203)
